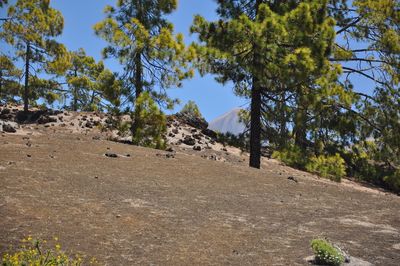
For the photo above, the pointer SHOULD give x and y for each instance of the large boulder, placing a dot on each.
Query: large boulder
(44, 119)
(188, 140)
(9, 127)
(6, 114)
(210, 133)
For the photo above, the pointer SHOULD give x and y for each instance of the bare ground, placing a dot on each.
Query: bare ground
(148, 209)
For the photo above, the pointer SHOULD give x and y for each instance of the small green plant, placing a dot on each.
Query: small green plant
(332, 167)
(326, 253)
(35, 252)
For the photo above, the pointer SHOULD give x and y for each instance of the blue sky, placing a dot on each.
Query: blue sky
(212, 98)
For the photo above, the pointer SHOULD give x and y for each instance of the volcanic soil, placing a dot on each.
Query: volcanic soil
(153, 207)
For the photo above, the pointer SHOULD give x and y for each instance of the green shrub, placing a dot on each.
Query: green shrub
(332, 167)
(364, 163)
(326, 253)
(151, 123)
(291, 156)
(35, 252)
(392, 181)
(191, 109)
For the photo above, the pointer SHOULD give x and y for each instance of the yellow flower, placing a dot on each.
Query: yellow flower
(58, 247)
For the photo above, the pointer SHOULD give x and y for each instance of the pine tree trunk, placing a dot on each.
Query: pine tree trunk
(282, 121)
(1, 84)
(139, 90)
(255, 112)
(138, 77)
(26, 89)
(300, 129)
(92, 99)
(255, 126)
(75, 105)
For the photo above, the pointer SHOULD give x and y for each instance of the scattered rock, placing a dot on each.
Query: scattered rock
(89, 124)
(175, 131)
(111, 155)
(292, 178)
(44, 119)
(196, 122)
(209, 133)
(5, 111)
(168, 155)
(197, 148)
(188, 140)
(197, 136)
(9, 129)
(170, 149)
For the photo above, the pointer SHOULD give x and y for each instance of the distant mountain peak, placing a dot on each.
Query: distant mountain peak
(228, 122)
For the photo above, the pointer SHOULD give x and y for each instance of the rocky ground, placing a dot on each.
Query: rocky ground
(69, 175)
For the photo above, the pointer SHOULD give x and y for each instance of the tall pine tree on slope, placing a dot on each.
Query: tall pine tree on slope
(261, 44)
(31, 28)
(368, 48)
(9, 79)
(142, 40)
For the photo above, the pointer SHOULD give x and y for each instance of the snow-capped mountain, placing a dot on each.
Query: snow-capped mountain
(228, 122)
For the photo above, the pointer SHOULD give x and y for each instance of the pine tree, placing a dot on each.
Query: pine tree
(9, 79)
(191, 109)
(368, 48)
(268, 48)
(141, 38)
(30, 28)
(90, 83)
(152, 127)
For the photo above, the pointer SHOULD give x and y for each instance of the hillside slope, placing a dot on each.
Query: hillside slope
(178, 208)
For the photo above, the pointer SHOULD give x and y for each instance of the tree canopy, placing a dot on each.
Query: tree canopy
(31, 28)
